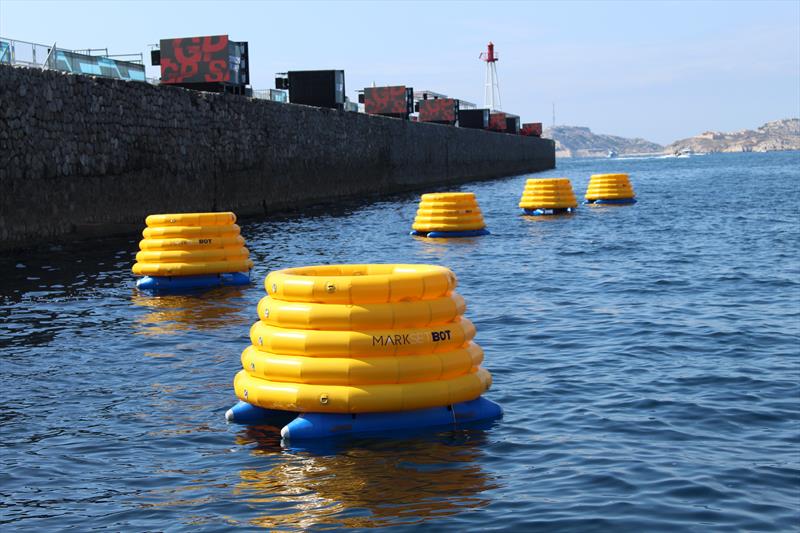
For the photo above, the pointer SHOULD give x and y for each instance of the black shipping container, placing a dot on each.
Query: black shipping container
(512, 124)
(473, 118)
(319, 88)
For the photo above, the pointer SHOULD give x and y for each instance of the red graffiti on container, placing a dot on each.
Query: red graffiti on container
(195, 60)
(386, 100)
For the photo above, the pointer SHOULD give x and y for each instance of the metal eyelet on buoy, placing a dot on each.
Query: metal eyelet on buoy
(323, 399)
(330, 287)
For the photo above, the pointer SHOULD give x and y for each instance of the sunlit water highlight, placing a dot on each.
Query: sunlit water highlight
(646, 357)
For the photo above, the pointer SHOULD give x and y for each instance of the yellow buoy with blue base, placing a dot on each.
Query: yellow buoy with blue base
(361, 348)
(548, 196)
(184, 252)
(449, 215)
(610, 189)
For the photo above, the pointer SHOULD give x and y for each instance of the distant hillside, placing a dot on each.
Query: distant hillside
(576, 141)
(777, 135)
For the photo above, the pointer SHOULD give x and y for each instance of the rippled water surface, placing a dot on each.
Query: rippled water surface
(646, 357)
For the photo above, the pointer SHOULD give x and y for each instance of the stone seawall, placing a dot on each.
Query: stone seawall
(81, 154)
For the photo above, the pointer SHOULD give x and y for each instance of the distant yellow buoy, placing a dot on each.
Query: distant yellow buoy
(186, 251)
(449, 214)
(548, 196)
(610, 189)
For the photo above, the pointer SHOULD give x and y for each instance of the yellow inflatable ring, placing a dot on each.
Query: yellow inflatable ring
(448, 219)
(193, 256)
(364, 284)
(316, 343)
(610, 195)
(439, 212)
(191, 231)
(191, 269)
(361, 370)
(449, 206)
(610, 177)
(448, 197)
(192, 219)
(363, 399)
(184, 244)
(307, 315)
(448, 227)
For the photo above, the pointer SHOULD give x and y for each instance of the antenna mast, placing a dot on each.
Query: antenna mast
(492, 91)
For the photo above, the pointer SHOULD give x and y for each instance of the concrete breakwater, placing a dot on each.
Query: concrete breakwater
(83, 155)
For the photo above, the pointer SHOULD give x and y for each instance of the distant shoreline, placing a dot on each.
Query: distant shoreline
(665, 155)
(775, 136)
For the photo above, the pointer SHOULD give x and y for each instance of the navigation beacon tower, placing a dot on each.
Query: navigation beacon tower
(492, 93)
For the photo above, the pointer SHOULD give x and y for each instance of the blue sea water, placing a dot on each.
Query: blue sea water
(647, 358)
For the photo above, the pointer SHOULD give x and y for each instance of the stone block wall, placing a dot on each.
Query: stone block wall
(83, 154)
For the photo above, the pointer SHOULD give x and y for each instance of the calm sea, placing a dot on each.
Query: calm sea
(647, 357)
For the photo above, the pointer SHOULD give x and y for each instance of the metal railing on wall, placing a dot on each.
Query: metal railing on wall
(15, 52)
(35, 55)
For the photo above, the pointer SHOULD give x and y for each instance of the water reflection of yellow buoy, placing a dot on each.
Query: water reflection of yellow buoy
(610, 189)
(169, 314)
(449, 214)
(548, 196)
(411, 482)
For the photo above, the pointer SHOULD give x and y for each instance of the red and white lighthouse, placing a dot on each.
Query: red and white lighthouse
(491, 97)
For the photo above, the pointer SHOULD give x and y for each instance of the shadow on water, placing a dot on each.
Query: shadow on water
(364, 482)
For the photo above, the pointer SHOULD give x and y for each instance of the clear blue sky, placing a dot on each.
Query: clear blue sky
(658, 70)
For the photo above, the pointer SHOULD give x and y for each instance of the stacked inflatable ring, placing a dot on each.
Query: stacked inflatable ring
(449, 214)
(549, 196)
(190, 251)
(610, 189)
(356, 348)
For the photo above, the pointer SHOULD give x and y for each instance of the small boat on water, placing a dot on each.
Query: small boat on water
(612, 154)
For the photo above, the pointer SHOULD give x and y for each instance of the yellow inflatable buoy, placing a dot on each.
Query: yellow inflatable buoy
(610, 189)
(184, 251)
(548, 196)
(449, 214)
(361, 339)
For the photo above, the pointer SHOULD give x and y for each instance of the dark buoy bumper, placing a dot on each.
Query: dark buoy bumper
(611, 201)
(179, 284)
(544, 212)
(450, 234)
(323, 425)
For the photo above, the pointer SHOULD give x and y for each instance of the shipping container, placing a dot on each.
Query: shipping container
(440, 110)
(532, 129)
(210, 63)
(473, 118)
(512, 124)
(318, 88)
(497, 121)
(394, 101)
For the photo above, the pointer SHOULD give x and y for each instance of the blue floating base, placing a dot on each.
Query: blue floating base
(251, 415)
(542, 212)
(612, 201)
(451, 234)
(325, 425)
(181, 284)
